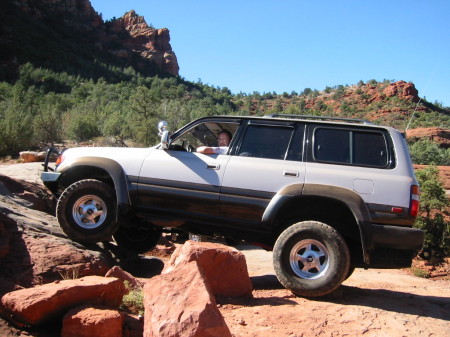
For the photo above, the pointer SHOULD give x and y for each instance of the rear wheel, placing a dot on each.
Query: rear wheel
(138, 239)
(311, 258)
(86, 211)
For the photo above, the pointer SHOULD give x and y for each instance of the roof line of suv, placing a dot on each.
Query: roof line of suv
(327, 118)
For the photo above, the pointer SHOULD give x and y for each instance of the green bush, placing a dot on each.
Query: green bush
(433, 202)
(83, 128)
(425, 152)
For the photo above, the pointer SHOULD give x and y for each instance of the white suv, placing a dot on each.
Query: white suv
(326, 194)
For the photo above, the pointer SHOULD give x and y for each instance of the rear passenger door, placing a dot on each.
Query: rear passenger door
(354, 158)
(268, 157)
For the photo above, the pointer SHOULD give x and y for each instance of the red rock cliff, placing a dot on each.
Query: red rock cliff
(152, 44)
(129, 34)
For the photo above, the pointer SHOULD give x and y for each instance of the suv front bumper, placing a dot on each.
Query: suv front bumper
(50, 180)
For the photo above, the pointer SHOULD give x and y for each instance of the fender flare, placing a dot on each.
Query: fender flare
(348, 197)
(114, 170)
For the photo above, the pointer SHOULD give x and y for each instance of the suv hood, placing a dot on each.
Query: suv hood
(129, 158)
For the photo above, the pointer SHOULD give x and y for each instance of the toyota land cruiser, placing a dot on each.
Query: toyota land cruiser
(325, 194)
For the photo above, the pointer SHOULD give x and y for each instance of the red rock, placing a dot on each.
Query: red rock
(224, 267)
(31, 156)
(87, 321)
(33, 306)
(128, 35)
(403, 90)
(53, 260)
(436, 135)
(32, 195)
(150, 43)
(121, 274)
(38, 251)
(179, 304)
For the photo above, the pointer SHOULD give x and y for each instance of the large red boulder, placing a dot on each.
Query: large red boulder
(403, 90)
(224, 267)
(179, 304)
(34, 306)
(88, 321)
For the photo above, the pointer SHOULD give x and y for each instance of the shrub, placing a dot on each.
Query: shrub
(83, 129)
(133, 301)
(432, 203)
(425, 152)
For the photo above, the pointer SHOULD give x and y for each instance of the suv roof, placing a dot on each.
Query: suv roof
(323, 118)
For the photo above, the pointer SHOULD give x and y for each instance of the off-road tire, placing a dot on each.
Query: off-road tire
(311, 259)
(351, 269)
(138, 239)
(86, 211)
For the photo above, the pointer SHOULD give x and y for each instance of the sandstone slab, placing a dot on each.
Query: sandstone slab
(96, 321)
(34, 306)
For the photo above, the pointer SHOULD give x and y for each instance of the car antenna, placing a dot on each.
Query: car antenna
(420, 98)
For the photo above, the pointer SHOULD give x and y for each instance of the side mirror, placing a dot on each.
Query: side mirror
(164, 134)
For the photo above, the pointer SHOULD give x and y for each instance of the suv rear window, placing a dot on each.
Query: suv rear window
(351, 147)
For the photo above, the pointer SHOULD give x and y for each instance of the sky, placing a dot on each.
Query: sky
(289, 45)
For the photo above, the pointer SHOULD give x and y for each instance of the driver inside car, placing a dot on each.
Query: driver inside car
(223, 142)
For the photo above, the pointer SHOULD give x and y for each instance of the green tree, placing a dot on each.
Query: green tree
(145, 105)
(47, 126)
(432, 203)
(83, 128)
(425, 152)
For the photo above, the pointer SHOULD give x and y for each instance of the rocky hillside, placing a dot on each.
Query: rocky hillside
(69, 35)
(394, 103)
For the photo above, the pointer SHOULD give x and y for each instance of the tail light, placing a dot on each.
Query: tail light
(415, 201)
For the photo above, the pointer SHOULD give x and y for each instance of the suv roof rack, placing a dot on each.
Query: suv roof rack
(349, 120)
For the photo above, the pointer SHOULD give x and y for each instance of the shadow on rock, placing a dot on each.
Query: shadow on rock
(143, 266)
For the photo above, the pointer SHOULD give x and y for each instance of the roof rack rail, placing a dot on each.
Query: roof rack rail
(349, 120)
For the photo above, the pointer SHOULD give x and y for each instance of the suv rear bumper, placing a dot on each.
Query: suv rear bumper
(400, 238)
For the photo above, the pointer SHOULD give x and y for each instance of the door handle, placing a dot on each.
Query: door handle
(294, 174)
(213, 166)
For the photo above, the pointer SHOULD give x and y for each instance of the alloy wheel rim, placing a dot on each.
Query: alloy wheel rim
(309, 259)
(89, 211)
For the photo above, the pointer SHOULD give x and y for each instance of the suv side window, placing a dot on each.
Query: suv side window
(351, 147)
(203, 134)
(266, 141)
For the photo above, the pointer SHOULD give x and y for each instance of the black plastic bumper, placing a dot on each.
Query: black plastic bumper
(395, 237)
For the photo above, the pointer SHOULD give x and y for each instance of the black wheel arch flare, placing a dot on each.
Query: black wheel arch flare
(112, 168)
(348, 198)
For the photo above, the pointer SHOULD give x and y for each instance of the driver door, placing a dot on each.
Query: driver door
(182, 183)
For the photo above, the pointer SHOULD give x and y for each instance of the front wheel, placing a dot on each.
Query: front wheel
(86, 211)
(311, 259)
